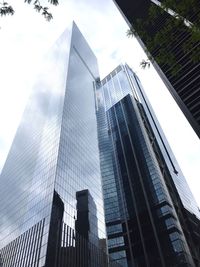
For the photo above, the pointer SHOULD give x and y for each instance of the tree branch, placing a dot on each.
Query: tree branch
(6, 9)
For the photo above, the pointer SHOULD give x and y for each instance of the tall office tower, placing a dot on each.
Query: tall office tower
(54, 154)
(151, 216)
(176, 56)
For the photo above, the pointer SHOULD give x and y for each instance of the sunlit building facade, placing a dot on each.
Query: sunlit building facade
(54, 155)
(151, 216)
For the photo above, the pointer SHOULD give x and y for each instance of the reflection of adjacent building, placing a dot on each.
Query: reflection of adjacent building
(68, 247)
(152, 218)
(86, 222)
(182, 75)
(54, 154)
(1, 263)
(55, 232)
(80, 247)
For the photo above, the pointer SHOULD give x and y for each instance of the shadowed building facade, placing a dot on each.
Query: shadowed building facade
(149, 208)
(182, 75)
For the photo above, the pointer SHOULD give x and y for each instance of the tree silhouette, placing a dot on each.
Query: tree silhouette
(43, 10)
(6, 9)
(145, 64)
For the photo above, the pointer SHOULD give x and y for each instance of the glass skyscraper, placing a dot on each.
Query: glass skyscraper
(54, 156)
(151, 216)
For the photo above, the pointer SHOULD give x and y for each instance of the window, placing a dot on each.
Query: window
(115, 242)
(174, 236)
(170, 223)
(164, 210)
(177, 245)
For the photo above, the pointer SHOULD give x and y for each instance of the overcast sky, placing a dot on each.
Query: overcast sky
(26, 36)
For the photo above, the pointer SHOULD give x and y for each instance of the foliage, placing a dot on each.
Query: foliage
(6, 9)
(145, 63)
(43, 10)
(184, 19)
(53, 2)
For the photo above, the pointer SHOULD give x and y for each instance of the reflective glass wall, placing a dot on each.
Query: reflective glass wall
(28, 177)
(78, 166)
(142, 192)
(179, 180)
(54, 155)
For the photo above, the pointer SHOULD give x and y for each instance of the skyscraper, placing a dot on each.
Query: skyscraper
(181, 75)
(151, 216)
(53, 156)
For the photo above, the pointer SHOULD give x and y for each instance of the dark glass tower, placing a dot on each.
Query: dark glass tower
(149, 208)
(53, 156)
(182, 76)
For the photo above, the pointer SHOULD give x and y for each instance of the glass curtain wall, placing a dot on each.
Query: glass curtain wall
(142, 230)
(54, 155)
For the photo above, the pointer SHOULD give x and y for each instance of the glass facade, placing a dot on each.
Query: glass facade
(54, 155)
(78, 165)
(143, 198)
(175, 172)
